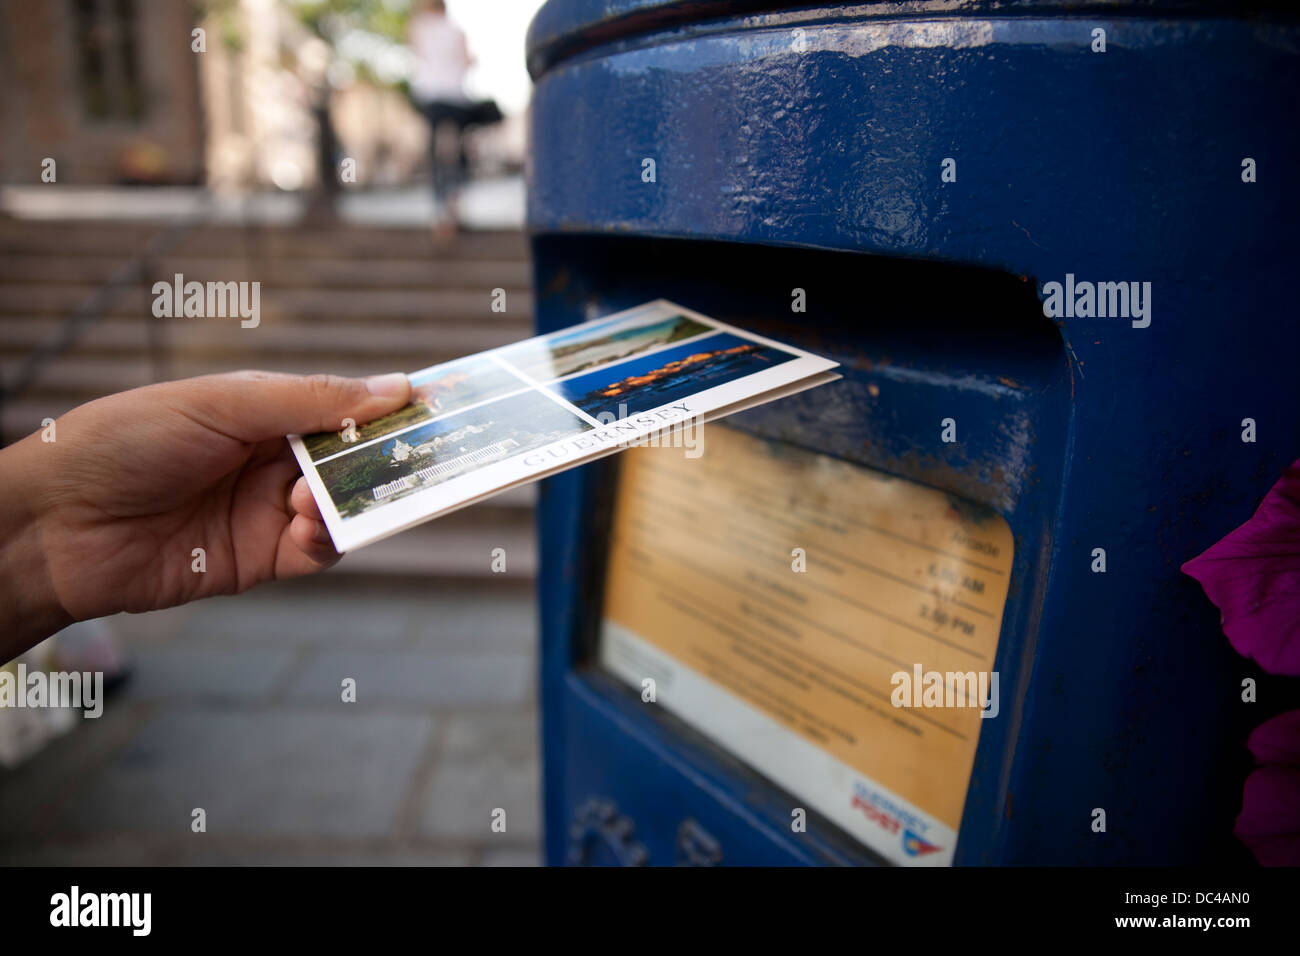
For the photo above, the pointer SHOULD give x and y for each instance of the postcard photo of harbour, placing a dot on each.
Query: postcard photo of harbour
(389, 470)
(629, 387)
(435, 391)
(566, 353)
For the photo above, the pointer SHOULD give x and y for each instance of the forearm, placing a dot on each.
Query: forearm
(29, 608)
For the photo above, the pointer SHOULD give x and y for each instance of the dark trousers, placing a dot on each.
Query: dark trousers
(448, 176)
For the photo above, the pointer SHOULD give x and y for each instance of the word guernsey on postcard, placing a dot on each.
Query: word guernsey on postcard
(481, 424)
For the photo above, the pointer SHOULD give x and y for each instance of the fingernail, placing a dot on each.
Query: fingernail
(387, 386)
(322, 535)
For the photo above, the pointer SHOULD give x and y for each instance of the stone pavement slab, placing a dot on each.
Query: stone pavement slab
(206, 673)
(326, 857)
(267, 772)
(511, 857)
(427, 677)
(487, 762)
(280, 617)
(32, 793)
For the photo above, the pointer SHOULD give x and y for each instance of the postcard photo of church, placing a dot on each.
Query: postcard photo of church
(451, 446)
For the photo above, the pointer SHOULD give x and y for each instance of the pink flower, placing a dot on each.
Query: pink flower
(1253, 575)
(1269, 822)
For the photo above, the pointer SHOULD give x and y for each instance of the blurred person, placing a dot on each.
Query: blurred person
(105, 518)
(442, 59)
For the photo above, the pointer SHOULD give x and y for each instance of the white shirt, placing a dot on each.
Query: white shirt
(441, 58)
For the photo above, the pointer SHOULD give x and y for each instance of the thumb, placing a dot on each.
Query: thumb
(254, 406)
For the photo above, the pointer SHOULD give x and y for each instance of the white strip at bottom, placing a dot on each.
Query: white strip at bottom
(876, 816)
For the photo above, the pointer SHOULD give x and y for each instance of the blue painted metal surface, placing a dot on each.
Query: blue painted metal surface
(803, 148)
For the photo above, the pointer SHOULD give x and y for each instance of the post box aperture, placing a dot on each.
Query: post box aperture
(825, 593)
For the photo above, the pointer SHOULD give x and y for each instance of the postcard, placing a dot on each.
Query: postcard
(487, 422)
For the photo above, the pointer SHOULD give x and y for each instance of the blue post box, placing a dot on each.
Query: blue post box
(1053, 249)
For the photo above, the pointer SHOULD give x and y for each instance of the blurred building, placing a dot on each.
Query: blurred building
(124, 91)
(108, 89)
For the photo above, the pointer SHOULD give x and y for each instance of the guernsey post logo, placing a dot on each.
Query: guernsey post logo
(894, 818)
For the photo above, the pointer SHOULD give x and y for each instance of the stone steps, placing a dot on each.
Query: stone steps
(259, 243)
(382, 341)
(330, 272)
(306, 304)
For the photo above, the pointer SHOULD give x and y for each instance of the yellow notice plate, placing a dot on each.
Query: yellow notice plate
(832, 626)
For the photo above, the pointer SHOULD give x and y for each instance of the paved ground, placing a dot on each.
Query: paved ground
(235, 707)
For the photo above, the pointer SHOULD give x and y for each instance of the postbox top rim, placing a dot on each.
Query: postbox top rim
(565, 28)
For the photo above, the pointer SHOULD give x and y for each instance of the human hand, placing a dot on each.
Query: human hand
(106, 517)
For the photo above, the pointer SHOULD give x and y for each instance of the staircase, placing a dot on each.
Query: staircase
(344, 299)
